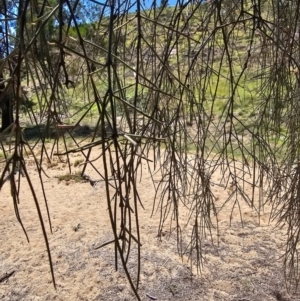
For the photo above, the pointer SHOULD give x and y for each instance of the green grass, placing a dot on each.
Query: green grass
(247, 95)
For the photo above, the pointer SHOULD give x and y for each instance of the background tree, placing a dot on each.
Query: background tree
(8, 15)
(164, 4)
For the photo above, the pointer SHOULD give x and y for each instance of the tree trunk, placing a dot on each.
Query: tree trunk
(7, 112)
(6, 106)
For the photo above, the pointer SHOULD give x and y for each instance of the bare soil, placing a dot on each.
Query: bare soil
(245, 265)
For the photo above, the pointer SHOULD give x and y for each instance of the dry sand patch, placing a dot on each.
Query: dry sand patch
(245, 265)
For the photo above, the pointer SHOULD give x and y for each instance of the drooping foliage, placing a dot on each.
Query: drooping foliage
(188, 89)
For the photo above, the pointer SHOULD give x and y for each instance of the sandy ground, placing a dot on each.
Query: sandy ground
(244, 266)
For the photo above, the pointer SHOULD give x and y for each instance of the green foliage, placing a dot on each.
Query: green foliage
(84, 30)
(164, 4)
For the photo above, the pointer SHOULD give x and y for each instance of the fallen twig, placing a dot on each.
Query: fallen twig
(6, 276)
(151, 297)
